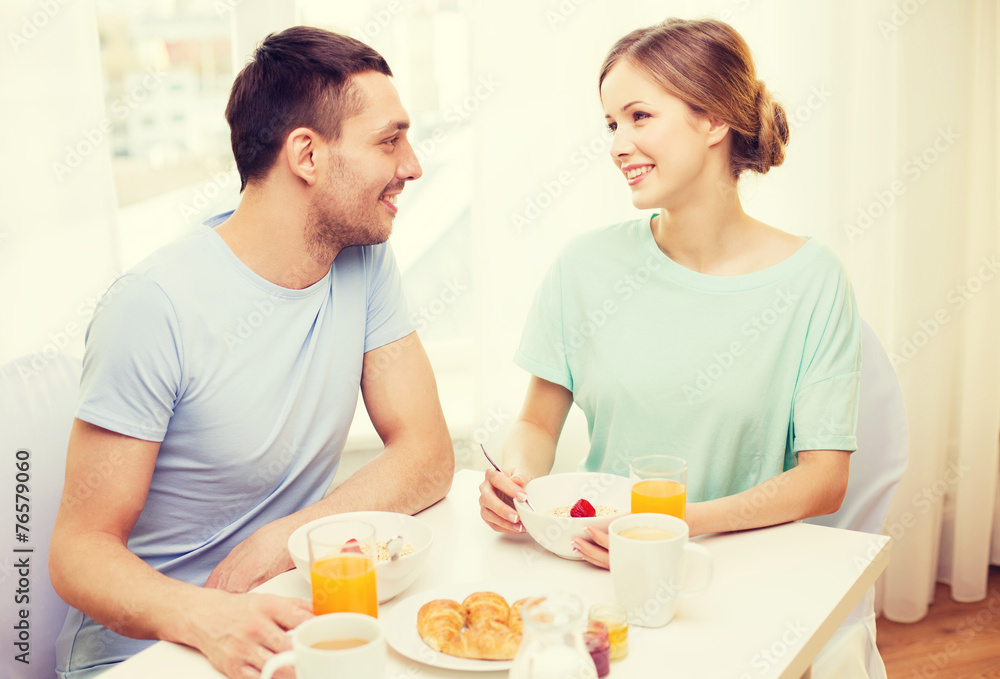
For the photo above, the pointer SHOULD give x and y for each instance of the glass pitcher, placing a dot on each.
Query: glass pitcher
(552, 646)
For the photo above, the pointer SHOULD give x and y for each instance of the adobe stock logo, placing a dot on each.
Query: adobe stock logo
(912, 170)
(428, 313)
(791, 637)
(247, 324)
(956, 299)
(577, 335)
(562, 12)
(208, 192)
(753, 329)
(586, 154)
(93, 138)
(455, 116)
(379, 21)
(901, 13)
(495, 420)
(818, 96)
(31, 25)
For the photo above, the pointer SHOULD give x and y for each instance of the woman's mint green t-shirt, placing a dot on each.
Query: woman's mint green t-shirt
(735, 374)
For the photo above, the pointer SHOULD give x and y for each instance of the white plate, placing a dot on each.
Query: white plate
(400, 623)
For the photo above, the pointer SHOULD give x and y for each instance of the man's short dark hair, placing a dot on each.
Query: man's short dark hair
(299, 77)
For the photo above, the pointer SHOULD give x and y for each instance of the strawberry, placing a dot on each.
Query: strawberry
(582, 509)
(351, 546)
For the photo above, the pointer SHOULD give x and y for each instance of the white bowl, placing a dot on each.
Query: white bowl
(556, 533)
(392, 577)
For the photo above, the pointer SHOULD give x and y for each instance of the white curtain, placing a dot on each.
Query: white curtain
(945, 320)
(893, 162)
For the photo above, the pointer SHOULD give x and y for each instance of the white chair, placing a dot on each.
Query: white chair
(37, 403)
(876, 469)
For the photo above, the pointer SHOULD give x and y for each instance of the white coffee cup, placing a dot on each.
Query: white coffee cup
(360, 662)
(649, 574)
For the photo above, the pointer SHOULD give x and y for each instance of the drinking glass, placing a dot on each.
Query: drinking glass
(342, 561)
(659, 485)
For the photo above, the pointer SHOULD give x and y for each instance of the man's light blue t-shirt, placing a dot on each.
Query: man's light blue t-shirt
(735, 374)
(250, 387)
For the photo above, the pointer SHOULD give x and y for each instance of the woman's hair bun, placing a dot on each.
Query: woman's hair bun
(772, 134)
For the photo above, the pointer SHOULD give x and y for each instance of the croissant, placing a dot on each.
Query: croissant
(483, 626)
(483, 606)
(514, 619)
(492, 640)
(440, 622)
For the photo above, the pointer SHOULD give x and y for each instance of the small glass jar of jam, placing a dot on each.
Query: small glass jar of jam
(596, 638)
(615, 619)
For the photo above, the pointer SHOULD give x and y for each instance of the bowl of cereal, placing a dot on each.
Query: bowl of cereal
(392, 577)
(566, 504)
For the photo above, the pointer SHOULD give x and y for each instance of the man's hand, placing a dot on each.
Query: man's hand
(238, 633)
(254, 561)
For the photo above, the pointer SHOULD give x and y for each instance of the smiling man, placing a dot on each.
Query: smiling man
(222, 373)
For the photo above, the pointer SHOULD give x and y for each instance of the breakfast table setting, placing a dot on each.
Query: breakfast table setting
(754, 604)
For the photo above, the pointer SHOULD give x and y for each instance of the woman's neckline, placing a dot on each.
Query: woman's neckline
(711, 282)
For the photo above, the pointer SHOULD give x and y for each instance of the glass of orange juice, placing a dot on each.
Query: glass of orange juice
(659, 485)
(342, 560)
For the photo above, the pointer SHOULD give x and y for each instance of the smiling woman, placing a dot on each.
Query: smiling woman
(717, 270)
(768, 438)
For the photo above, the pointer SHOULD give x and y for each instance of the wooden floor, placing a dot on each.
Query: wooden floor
(954, 641)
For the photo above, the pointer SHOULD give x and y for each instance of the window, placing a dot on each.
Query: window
(167, 70)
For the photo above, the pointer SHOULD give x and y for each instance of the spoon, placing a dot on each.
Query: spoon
(394, 546)
(501, 471)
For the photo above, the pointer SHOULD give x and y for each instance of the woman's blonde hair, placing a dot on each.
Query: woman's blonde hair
(708, 65)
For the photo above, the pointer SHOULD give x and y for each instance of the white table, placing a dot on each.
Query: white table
(777, 596)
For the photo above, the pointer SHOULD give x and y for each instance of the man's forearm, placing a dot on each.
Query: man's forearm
(404, 478)
(95, 573)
